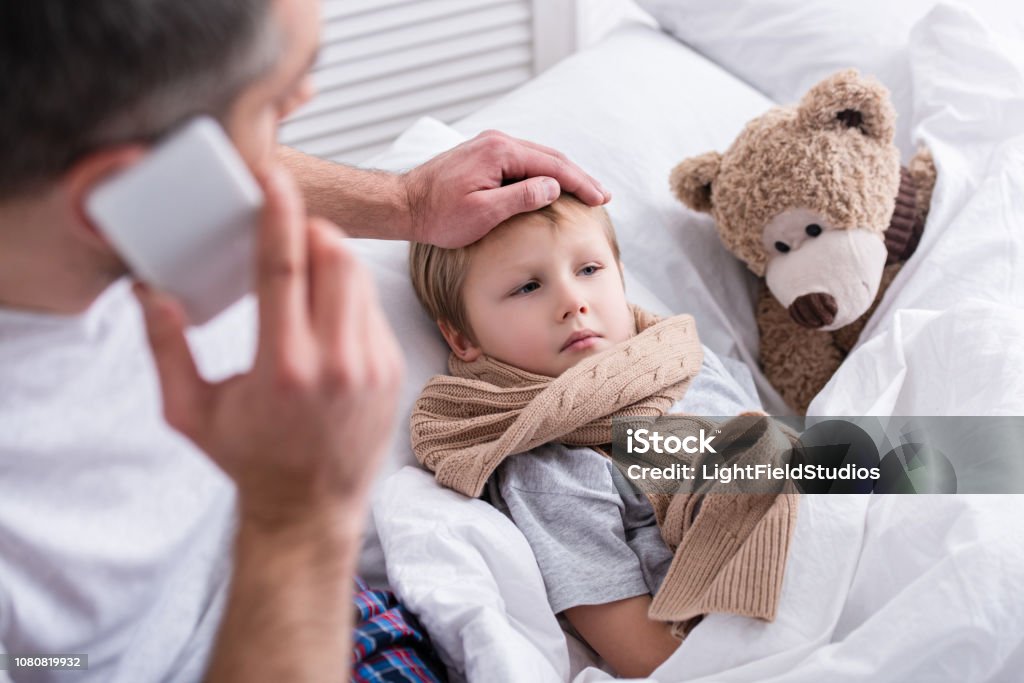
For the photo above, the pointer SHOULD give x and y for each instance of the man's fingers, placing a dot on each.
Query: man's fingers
(595, 194)
(358, 350)
(184, 391)
(281, 262)
(337, 294)
(504, 202)
(524, 159)
(388, 361)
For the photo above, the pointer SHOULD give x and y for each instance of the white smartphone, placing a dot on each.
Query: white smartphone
(184, 218)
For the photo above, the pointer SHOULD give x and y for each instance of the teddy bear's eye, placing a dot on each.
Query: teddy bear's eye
(813, 229)
(781, 247)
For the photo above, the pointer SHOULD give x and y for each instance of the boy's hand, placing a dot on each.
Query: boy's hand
(457, 197)
(302, 432)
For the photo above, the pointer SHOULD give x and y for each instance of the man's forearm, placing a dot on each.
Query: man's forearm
(364, 203)
(289, 614)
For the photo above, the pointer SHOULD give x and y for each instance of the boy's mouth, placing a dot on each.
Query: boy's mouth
(582, 339)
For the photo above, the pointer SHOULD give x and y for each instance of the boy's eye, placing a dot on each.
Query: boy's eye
(589, 270)
(527, 288)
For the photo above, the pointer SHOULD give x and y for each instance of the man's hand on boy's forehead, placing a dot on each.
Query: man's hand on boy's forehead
(458, 196)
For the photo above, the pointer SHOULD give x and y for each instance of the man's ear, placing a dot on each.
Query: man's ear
(86, 174)
(459, 342)
(692, 178)
(849, 100)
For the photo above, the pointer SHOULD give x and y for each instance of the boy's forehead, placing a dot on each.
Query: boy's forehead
(527, 245)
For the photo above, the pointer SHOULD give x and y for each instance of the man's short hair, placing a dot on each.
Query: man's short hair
(438, 274)
(77, 76)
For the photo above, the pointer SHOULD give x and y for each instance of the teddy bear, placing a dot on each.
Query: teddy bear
(813, 199)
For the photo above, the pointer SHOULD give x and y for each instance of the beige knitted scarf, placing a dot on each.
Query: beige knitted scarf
(464, 425)
(730, 558)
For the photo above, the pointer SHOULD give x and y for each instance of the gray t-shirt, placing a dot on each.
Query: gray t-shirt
(595, 538)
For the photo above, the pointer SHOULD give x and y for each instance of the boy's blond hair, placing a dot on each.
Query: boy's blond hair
(438, 274)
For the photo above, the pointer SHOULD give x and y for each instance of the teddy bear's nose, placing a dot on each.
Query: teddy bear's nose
(813, 310)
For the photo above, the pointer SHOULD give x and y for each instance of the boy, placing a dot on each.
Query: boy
(538, 295)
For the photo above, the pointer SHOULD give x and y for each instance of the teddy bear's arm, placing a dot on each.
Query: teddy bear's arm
(798, 361)
(912, 204)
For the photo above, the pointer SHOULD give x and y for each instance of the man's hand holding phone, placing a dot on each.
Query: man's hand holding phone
(301, 433)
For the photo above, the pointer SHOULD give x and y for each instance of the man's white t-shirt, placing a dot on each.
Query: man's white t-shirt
(116, 533)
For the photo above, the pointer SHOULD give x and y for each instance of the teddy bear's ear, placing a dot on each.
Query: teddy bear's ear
(849, 100)
(691, 180)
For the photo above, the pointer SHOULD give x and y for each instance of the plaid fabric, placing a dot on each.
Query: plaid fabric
(389, 643)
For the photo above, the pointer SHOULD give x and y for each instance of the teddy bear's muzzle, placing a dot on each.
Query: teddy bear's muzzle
(814, 310)
(828, 281)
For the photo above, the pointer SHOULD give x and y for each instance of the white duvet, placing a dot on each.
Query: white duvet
(885, 588)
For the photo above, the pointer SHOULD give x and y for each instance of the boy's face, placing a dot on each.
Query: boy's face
(541, 297)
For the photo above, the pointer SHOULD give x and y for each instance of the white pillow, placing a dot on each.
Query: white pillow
(783, 47)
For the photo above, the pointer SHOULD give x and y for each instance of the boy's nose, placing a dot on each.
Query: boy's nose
(574, 304)
(579, 309)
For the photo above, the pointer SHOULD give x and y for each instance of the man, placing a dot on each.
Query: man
(119, 537)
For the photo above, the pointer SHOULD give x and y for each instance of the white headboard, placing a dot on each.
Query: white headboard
(385, 63)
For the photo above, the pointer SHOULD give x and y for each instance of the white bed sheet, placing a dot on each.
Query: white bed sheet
(883, 588)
